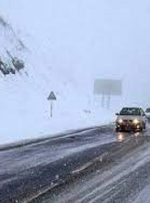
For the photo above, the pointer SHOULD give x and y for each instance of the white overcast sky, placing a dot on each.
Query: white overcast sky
(91, 38)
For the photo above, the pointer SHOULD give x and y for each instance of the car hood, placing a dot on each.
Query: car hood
(128, 117)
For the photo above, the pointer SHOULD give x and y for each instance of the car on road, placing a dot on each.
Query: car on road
(147, 113)
(131, 119)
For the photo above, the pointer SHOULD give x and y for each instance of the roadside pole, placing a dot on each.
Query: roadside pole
(51, 110)
(108, 101)
(51, 98)
(103, 101)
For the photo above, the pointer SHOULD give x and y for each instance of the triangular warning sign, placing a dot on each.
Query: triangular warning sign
(52, 96)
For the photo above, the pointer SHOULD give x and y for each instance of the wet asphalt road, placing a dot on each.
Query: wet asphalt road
(123, 176)
(74, 161)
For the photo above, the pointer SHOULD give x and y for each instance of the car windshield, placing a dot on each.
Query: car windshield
(148, 110)
(130, 111)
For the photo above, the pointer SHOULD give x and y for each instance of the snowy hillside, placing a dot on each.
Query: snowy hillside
(25, 111)
(64, 48)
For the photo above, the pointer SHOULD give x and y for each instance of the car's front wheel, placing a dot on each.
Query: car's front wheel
(144, 126)
(118, 130)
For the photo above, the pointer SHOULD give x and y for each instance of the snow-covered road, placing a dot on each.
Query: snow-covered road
(121, 179)
(29, 170)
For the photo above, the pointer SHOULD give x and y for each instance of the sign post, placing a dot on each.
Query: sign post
(51, 98)
(107, 88)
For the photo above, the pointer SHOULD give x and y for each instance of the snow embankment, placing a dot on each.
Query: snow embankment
(25, 110)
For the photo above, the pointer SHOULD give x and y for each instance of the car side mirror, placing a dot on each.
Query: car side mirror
(117, 114)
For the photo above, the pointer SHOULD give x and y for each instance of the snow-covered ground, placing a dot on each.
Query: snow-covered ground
(25, 110)
(65, 46)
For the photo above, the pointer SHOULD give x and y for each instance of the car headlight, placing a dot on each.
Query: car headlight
(120, 121)
(136, 121)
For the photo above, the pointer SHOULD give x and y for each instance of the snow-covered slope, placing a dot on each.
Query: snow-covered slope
(66, 45)
(25, 111)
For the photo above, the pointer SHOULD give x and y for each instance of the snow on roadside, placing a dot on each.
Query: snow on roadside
(25, 111)
(27, 127)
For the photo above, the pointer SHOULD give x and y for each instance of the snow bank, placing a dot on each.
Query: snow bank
(25, 110)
